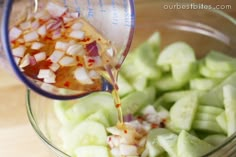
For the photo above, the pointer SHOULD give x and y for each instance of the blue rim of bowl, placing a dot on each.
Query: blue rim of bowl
(6, 13)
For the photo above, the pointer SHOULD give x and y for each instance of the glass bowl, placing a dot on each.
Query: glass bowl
(203, 29)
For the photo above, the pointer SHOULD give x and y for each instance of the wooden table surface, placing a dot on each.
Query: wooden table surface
(17, 137)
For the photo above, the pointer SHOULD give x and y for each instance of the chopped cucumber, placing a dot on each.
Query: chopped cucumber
(222, 121)
(92, 151)
(220, 62)
(183, 111)
(191, 146)
(134, 101)
(202, 84)
(229, 94)
(60, 108)
(206, 72)
(205, 117)
(207, 126)
(176, 53)
(155, 41)
(86, 133)
(211, 110)
(169, 143)
(124, 86)
(100, 116)
(139, 83)
(90, 104)
(183, 72)
(145, 61)
(168, 83)
(215, 139)
(170, 97)
(152, 144)
(151, 93)
(215, 96)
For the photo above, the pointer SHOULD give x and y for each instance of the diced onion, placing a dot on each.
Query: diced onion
(67, 19)
(54, 67)
(19, 51)
(42, 15)
(55, 10)
(36, 45)
(15, 33)
(75, 49)
(115, 152)
(56, 56)
(61, 45)
(56, 34)
(74, 14)
(93, 74)
(128, 150)
(67, 61)
(32, 36)
(45, 73)
(42, 30)
(77, 34)
(92, 49)
(47, 87)
(17, 60)
(25, 61)
(110, 52)
(40, 56)
(25, 25)
(82, 76)
(50, 79)
(32, 60)
(77, 26)
(35, 24)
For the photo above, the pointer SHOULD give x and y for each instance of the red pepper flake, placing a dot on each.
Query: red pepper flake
(91, 60)
(90, 64)
(125, 131)
(67, 84)
(109, 139)
(80, 65)
(154, 125)
(118, 105)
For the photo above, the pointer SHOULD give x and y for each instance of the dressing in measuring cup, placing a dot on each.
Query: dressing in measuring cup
(66, 49)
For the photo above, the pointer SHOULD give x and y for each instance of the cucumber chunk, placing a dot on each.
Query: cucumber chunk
(205, 117)
(60, 108)
(92, 151)
(211, 110)
(168, 83)
(101, 117)
(90, 104)
(86, 133)
(169, 143)
(152, 143)
(207, 126)
(139, 83)
(215, 139)
(222, 121)
(183, 72)
(220, 62)
(206, 72)
(229, 94)
(183, 111)
(124, 86)
(176, 53)
(191, 146)
(215, 96)
(170, 97)
(202, 84)
(133, 102)
(155, 41)
(145, 61)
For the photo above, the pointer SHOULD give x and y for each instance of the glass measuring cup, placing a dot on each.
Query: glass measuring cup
(114, 20)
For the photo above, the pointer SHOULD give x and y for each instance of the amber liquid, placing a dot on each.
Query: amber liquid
(111, 76)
